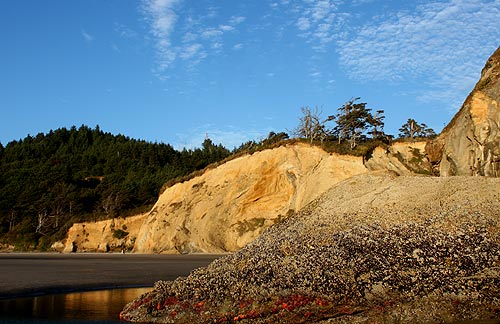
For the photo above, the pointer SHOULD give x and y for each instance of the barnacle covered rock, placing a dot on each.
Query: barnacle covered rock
(374, 246)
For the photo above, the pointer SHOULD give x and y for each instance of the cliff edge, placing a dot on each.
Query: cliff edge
(470, 143)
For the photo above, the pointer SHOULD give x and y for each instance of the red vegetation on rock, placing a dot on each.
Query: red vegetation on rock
(171, 301)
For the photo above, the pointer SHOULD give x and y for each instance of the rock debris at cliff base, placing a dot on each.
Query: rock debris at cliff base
(373, 248)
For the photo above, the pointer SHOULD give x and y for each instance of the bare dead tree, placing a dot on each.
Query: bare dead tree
(12, 219)
(111, 204)
(42, 221)
(311, 126)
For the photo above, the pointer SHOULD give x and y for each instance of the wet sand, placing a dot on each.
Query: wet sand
(29, 274)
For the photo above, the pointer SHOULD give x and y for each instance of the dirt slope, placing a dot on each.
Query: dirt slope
(227, 207)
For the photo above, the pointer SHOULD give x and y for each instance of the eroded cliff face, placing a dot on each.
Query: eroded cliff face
(227, 207)
(402, 158)
(471, 142)
(112, 235)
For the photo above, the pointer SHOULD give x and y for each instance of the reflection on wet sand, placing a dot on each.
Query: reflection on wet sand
(92, 305)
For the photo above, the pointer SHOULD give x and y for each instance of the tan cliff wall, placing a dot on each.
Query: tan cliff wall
(228, 207)
(470, 144)
(98, 236)
(402, 158)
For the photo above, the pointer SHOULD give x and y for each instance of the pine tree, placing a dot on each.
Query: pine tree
(412, 129)
(352, 120)
(376, 121)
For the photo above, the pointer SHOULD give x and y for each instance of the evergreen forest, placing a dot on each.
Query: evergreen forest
(49, 181)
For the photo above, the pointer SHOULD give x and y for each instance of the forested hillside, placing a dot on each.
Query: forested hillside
(49, 181)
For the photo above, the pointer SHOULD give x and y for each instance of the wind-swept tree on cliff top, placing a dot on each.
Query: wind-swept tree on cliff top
(273, 138)
(352, 121)
(412, 129)
(376, 121)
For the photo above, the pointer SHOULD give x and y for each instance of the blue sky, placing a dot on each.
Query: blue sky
(173, 70)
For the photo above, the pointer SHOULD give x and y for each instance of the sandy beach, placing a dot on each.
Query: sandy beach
(28, 274)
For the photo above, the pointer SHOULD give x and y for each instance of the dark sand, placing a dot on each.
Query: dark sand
(28, 274)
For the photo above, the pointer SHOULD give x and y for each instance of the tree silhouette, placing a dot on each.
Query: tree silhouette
(311, 126)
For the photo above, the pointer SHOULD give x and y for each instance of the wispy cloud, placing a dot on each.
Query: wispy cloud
(439, 44)
(124, 31)
(86, 36)
(115, 48)
(442, 42)
(315, 74)
(361, 2)
(212, 32)
(226, 28)
(216, 45)
(178, 36)
(303, 23)
(236, 20)
(162, 18)
(319, 21)
(192, 51)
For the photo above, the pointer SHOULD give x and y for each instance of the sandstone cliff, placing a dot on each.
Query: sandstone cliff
(229, 206)
(373, 248)
(110, 235)
(471, 142)
(402, 158)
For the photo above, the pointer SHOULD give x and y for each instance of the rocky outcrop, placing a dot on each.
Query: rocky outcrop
(402, 158)
(375, 248)
(112, 235)
(471, 142)
(228, 207)
(6, 248)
